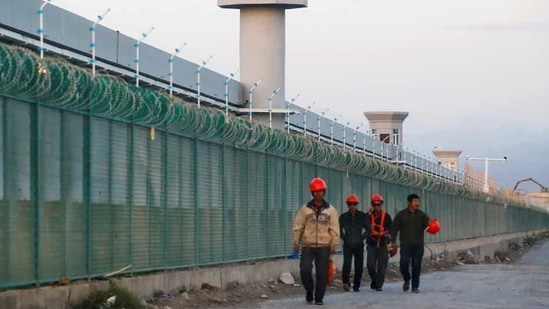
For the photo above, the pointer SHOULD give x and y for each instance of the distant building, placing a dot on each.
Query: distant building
(387, 126)
(447, 158)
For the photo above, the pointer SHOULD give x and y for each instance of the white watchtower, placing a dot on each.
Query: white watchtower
(262, 52)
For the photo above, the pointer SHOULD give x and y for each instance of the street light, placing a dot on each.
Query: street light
(292, 101)
(177, 50)
(41, 27)
(250, 92)
(231, 76)
(137, 45)
(305, 118)
(318, 121)
(486, 160)
(198, 70)
(354, 136)
(275, 92)
(92, 45)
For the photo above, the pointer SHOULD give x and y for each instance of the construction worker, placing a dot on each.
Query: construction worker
(316, 229)
(377, 242)
(411, 223)
(353, 227)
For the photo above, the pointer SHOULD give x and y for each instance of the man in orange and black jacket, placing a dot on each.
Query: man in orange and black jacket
(377, 243)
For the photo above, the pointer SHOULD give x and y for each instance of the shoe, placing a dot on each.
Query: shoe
(356, 289)
(379, 289)
(319, 302)
(406, 286)
(309, 297)
(373, 285)
(415, 291)
(346, 287)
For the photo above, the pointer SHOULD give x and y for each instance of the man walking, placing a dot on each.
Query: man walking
(377, 242)
(316, 229)
(353, 226)
(411, 224)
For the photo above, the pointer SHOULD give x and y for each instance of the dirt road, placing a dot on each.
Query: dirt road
(524, 284)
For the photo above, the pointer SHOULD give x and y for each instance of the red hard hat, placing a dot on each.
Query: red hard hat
(352, 198)
(317, 184)
(433, 227)
(377, 198)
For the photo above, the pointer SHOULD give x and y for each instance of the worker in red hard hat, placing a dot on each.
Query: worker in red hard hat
(353, 227)
(316, 231)
(377, 242)
(411, 223)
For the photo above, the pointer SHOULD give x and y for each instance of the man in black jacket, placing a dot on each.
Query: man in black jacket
(354, 227)
(410, 223)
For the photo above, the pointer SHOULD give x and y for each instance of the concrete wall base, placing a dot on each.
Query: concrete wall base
(61, 297)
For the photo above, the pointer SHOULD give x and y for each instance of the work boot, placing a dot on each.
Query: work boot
(356, 288)
(415, 290)
(373, 285)
(379, 289)
(406, 286)
(309, 297)
(346, 287)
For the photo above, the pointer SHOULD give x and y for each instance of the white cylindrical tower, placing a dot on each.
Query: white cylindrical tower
(262, 53)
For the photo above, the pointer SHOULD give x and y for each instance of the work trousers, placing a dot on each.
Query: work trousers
(356, 251)
(376, 262)
(415, 255)
(320, 256)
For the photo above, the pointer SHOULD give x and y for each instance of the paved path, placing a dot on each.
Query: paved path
(523, 285)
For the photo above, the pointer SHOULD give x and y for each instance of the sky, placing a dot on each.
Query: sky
(473, 74)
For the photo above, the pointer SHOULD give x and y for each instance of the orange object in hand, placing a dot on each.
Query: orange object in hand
(331, 271)
(433, 227)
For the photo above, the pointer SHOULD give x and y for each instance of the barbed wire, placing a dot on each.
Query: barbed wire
(58, 83)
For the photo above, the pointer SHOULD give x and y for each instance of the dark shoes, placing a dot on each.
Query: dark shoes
(309, 297)
(346, 287)
(406, 286)
(356, 288)
(415, 291)
(379, 289)
(319, 302)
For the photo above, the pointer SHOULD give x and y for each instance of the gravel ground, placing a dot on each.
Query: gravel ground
(518, 278)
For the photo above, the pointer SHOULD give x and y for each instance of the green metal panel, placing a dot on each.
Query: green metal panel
(51, 211)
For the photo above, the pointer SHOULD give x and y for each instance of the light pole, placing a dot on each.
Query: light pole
(354, 136)
(486, 161)
(41, 27)
(170, 74)
(318, 122)
(275, 92)
(198, 70)
(137, 45)
(332, 130)
(305, 118)
(292, 101)
(92, 45)
(231, 76)
(250, 93)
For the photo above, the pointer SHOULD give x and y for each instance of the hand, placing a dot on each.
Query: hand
(332, 249)
(394, 246)
(296, 248)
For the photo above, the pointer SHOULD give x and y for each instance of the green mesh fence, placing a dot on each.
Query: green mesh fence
(86, 189)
